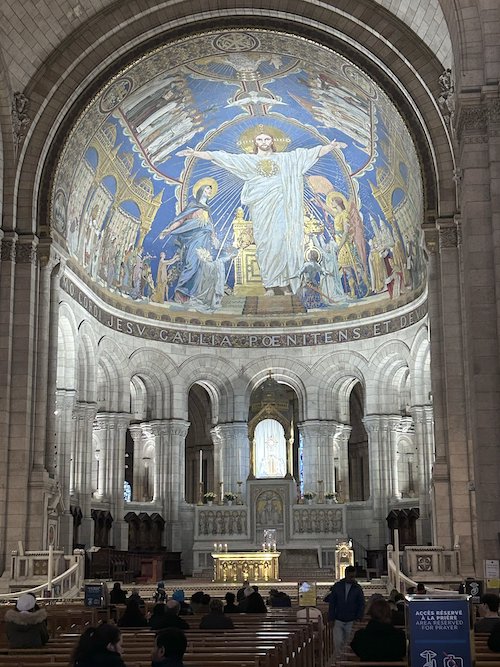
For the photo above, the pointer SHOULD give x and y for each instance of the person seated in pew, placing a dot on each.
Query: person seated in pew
(132, 617)
(169, 650)
(240, 595)
(135, 595)
(171, 618)
(253, 602)
(230, 607)
(379, 641)
(118, 595)
(488, 612)
(278, 598)
(26, 625)
(179, 595)
(199, 602)
(160, 594)
(99, 647)
(155, 620)
(216, 619)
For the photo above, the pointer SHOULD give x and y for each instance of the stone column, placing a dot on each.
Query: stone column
(218, 439)
(102, 432)
(393, 456)
(233, 455)
(116, 476)
(424, 435)
(341, 454)
(379, 429)
(83, 416)
(170, 436)
(136, 432)
(65, 402)
(311, 435)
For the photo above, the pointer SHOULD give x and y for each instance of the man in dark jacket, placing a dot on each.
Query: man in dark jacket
(216, 619)
(380, 641)
(170, 647)
(26, 626)
(171, 618)
(253, 602)
(346, 604)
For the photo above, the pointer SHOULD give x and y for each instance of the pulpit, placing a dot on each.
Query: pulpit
(240, 566)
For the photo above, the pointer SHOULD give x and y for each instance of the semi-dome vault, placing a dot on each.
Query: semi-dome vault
(243, 176)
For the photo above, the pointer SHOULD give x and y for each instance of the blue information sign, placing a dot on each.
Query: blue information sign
(93, 595)
(440, 632)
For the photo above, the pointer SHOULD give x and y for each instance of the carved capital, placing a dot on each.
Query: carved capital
(472, 123)
(448, 238)
(493, 112)
(8, 250)
(27, 250)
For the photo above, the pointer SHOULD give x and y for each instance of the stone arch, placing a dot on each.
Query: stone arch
(216, 376)
(86, 362)
(152, 366)
(114, 377)
(421, 368)
(293, 373)
(66, 348)
(391, 363)
(337, 375)
(465, 22)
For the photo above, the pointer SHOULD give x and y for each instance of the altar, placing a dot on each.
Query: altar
(236, 567)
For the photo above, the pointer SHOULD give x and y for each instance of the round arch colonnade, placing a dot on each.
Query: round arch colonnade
(74, 386)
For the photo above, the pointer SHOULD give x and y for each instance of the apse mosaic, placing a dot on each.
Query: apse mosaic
(245, 174)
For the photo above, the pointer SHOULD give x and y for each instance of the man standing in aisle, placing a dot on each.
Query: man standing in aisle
(346, 602)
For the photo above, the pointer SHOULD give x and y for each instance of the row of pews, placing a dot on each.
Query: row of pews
(274, 639)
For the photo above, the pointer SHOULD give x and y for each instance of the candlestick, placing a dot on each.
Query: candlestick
(200, 493)
(221, 493)
(215, 547)
(201, 467)
(225, 548)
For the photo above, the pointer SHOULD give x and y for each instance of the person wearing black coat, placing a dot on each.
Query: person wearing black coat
(132, 616)
(379, 641)
(253, 602)
(118, 595)
(99, 647)
(216, 619)
(171, 618)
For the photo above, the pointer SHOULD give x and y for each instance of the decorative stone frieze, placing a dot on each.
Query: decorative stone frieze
(318, 521)
(472, 124)
(227, 522)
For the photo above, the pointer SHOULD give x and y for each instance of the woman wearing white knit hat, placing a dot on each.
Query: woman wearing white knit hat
(26, 625)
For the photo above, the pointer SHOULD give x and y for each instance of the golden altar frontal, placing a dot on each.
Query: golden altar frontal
(240, 566)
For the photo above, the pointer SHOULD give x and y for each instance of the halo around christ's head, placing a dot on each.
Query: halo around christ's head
(246, 140)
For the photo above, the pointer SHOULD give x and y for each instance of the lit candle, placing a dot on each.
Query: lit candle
(220, 547)
(215, 546)
(225, 548)
(263, 547)
(201, 466)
